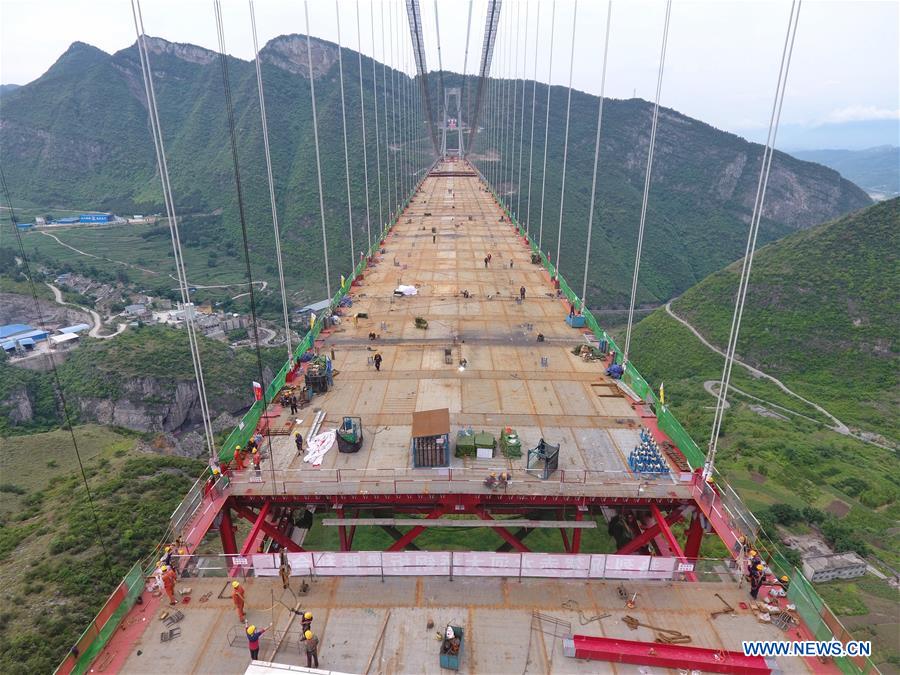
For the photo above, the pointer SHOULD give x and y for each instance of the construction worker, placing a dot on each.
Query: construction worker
(298, 441)
(256, 458)
(168, 579)
(238, 458)
(237, 597)
(377, 360)
(522, 293)
(312, 649)
(756, 581)
(253, 636)
(284, 570)
(755, 560)
(306, 623)
(167, 556)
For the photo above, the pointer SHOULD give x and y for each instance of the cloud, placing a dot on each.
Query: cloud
(860, 113)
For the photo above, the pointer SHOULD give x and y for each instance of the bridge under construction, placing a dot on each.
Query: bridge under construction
(454, 413)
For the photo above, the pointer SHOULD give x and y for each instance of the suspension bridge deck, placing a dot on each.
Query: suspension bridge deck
(503, 634)
(475, 317)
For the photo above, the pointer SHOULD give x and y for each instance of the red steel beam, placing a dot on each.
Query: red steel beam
(681, 657)
(504, 533)
(576, 535)
(407, 538)
(226, 532)
(648, 534)
(666, 531)
(261, 524)
(694, 537)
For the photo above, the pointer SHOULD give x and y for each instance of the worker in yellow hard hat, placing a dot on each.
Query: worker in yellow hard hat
(237, 597)
(298, 441)
(312, 649)
(306, 623)
(253, 636)
(238, 458)
(256, 458)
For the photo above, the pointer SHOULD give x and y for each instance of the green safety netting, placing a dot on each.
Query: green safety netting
(98, 634)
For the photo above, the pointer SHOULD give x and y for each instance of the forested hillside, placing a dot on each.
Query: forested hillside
(78, 137)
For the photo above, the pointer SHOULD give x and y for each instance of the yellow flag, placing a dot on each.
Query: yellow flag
(312, 319)
(662, 394)
(343, 281)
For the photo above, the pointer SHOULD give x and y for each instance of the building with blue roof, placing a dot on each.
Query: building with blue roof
(77, 328)
(13, 329)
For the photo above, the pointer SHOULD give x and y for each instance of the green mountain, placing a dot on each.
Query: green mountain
(876, 170)
(78, 137)
(822, 314)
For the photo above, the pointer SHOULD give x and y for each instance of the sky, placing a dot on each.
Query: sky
(721, 63)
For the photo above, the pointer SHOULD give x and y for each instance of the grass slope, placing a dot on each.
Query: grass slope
(54, 571)
(822, 314)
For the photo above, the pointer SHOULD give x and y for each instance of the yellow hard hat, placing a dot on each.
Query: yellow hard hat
(296, 433)
(759, 567)
(251, 629)
(237, 447)
(164, 568)
(308, 635)
(215, 472)
(167, 549)
(254, 450)
(784, 578)
(752, 554)
(234, 584)
(308, 615)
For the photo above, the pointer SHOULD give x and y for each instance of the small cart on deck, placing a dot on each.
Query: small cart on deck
(452, 649)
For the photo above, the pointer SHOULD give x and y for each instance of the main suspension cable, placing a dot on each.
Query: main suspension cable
(265, 130)
(466, 81)
(547, 126)
(312, 93)
(640, 240)
(337, 12)
(232, 129)
(591, 206)
(362, 115)
(562, 193)
(522, 120)
(381, 219)
(172, 219)
(756, 217)
(537, 24)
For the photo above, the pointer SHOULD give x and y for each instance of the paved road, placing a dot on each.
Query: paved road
(98, 257)
(98, 323)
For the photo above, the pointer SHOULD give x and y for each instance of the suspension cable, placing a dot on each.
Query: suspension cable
(248, 269)
(396, 186)
(60, 398)
(522, 120)
(384, 97)
(507, 128)
(381, 219)
(180, 273)
(441, 91)
(362, 115)
(587, 256)
(465, 81)
(640, 241)
(312, 93)
(514, 72)
(562, 193)
(756, 217)
(265, 130)
(337, 12)
(547, 127)
(537, 23)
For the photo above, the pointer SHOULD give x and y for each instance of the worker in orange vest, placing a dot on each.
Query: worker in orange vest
(256, 459)
(168, 579)
(237, 597)
(238, 458)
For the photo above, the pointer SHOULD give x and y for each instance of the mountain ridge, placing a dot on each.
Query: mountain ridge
(70, 147)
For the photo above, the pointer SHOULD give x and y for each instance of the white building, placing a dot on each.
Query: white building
(835, 566)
